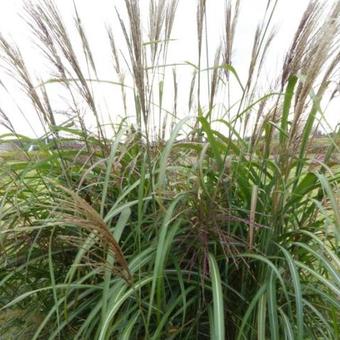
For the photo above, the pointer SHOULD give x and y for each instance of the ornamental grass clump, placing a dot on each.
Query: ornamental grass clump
(222, 223)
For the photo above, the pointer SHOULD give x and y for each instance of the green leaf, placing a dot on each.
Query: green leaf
(272, 308)
(298, 292)
(118, 303)
(261, 318)
(164, 243)
(166, 153)
(286, 107)
(288, 329)
(218, 305)
(215, 146)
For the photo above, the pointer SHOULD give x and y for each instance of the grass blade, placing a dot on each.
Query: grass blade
(218, 304)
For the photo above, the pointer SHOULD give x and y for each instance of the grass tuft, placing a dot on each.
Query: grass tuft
(222, 224)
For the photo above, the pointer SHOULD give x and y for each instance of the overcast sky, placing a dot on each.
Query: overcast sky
(97, 14)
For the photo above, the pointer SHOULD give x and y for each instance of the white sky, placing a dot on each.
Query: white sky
(96, 14)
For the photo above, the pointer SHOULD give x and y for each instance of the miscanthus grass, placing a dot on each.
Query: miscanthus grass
(219, 224)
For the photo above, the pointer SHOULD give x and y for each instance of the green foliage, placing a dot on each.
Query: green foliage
(286, 282)
(222, 235)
